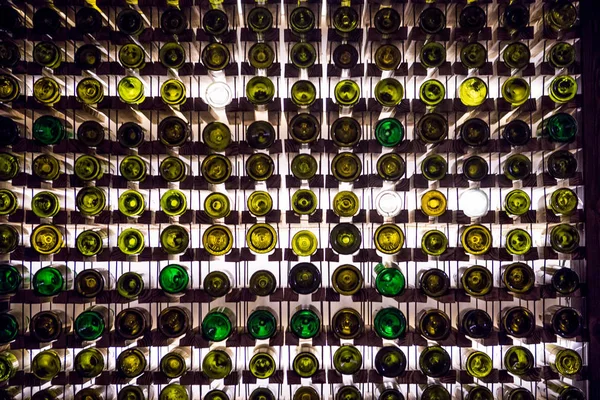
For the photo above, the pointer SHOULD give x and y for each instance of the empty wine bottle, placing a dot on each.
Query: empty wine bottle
(345, 238)
(48, 363)
(217, 205)
(132, 203)
(432, 20)
(260, 167)
(130, 285)
(514, 392)
(302, 21)
(389, 280)
(564, 238)
(567, 362)
(432, 128)
(434, 282)
(345, 20)
(9, 238)
(218, 324)
(432, 92)
(134, 392)
(389, 132)
(50, 281)
(173, 92)
(347, 360)
(217, 283)
(304, 202)
(434, 324)
(303, 93)
(561, 55)
(345, 56)
(388, 239)
(562, 201)
(303, 55)
(304, 128)
(346, 93)
(517, 321)
(132, 362)
(566, 322)
(12, 324)
(564, 280)
(173, 21)
(562, 164)
(91, 282)
(131, 241)
(262, 323)
(389, 92)
(262, 393)
(96, 393)
(473, 55)
(517, 133)
(176, 362)
(306, 393)
(259, 20)
(131, 90)
(215, 57)
(130, 22)
(172, 169)
(304, 278)
(215, 22)
(174, 321)
(217, 363)
(174, 239)
(345, 132)
(9, 166)
(9, 88)
(560, 16)
(262, 364)
(260, 135)
(132, 56)
(386, 21)
(477, 280)
(560, 127)
(346, 167)
(387, 57)
(515, 90)
(47, 91)
(518, 242)
(90, 91)
(434, 167)
(345, 204)
(132, 323)
(389, 323)
(516, 55)
(13, 277)
(434, 392)
(10, 54)
(8, 202)
(12, 361)
(390, 361)
(173, 131)
(94, 322)
(434, 243)
(174, 280)
(475, 132)
(473, 92)
(259, 203)
(306, 363)
(558, 390)
(54, 392)
(261, 56)
(91, 201)
(47, 54)
(347, 280)
(305, 322)
(88, 20)
(515, 17)
(47, 326)
(432, 55)
(434, 361)
(474, 323)
(91, 362)
(518, 360)
(262, 283)
(261, 238)
(472, 18)
(477, 363)
(347, 323)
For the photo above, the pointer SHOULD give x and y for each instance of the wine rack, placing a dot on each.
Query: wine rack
(241, 262)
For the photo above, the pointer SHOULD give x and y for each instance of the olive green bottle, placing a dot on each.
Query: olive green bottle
(567, 362)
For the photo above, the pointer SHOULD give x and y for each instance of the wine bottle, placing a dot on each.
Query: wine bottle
(345, 20)
(217, 363)
(347, 360)
(133, 168)
(131, 241)
(386, 21)
(94, 322)
(475, 168)
(90, 91)
(558, 390)
(175, 321)
(260, 135)
(13, 324)
(345, 238)
(475, 323)
(217, 283)
(517, 321)
(390, 361)
(130, 285)
(134, 392)
(432, 55)
(259, 20)
(47, 54)
(130, 135)
(564, 280)
(215, 57)
(45, 204)
(174, 239)
(346, 93)
(345, 132)
(304, 243)
(260, 90)
(132, 362)
(173, 92)
(560, 127)
(173, 131)
(88, 20)
(262, 393)
(476, 392)
(304, 202)
(432, 92)
(516, 55)
(173, 21)
(517, 133)
(434, 243)
(305, 322)
(477, 280)
(472, 18)
(345, 204)
(434, 167)
(46, 167)
(54, 392)
(388, 238)
(304, 128)
(130, 22)
(477, 363)
(434, 361)
(47, 326)
(434, 282)
(215, 22)
(517, 202)
(562, 164)
(262, 323)
(95, 393)
(515, 17)
(433, 203)
(561, 55)
(564, 238)
(518, 242)
(518, 360)
(173, 169)
(261, 56)
(131, 90)
(262, 364)
(473, 92)
(389, 323)
(473, 55)
(13, 277)
(260, 167)
(566, 322)
(176, 362)
(48, 363)
(515, 90)
(8, 202)
(174, 280)
(303, 55)
(218, 324)
(306, 363)
(303, 93)
(91, 133)
(217, 205)
(9, 88)
(432, 20)
(518, 278)
(434, 324)
(304, 278)
(9, 238)
(91, 362)
(432, 128)
(306, 393)
(566, 362)
(50, 281)
(262, 283)
(261, 238)
(132, 56)
(347, 280)
(345, 56)
(259, 203)
(91, 282)
(302, 21)
(389, 92)
(389, 280)
(389, 132)
(387, 57)
(560, 16)
(347, 323)
(132, 323)
(132, 203)
(346, 167)
(475, 132)
(46, 91)
(514, 392)
(10, 54)
(91, 201)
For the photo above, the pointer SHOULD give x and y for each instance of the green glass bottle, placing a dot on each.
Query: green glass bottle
(562, 164)
(11, 361)
(132, 362)
(10, 54)
(305, 322)
(390, 362)
(217, 364)
(432, 20)
(173, 92)
(173, 131)
(88, 20)
(515, 90)
(215, 56)
(172, 55)
(389, 92)
(475, 168)
(517, 202)
(434, 361)
(347, 360)
(477, 363)
(518, 322)
(262, 323)
(345, 238)
(472, 18)
(389, 132)
(304, 128)
(304, 278)
(215, 22)
(217, 283)
(345, 132)
(345, 56)
(515, 17)
(134, 392)
(262, 365)
(516, 55)
(91, 282)
(561, 55)
(260, 167)
(13, 277)
(13, 324)
(518, 242)
(475, 132)
(261, 238)
(9, 238)
(345, 204)
(434, 167)
(305, 363)
(45, 204)
(131, 241)
(48, 363)
(389, 323)
(8, 202)
(50, 281)
(432, 128)
(216, 169)
(303, 55)
(132, 56)
(47, 54)
(217, 205)
(389, 280)
(518, 277)
(89, 168)
(517, 132)
(260, 90)
(560, 127)
(90, 91)
(218, 324)
(173, 21)
(475, 323)
(173, 169)
(303, 93)
(47, 91)
(46, 167)
(259, 203)
(130, 285)
(132, 203)
(387, 57)
(10, 88)
(564, 238)
(130, 22)
(347, 280)
(347, 323)
(477, 280)
(434, 392)
(95, 393)
(176, 362)
(346, 93)
(562, 201)
(434, 282)
(346, 167)
(133, 168)
(48, 130)
(345, 20)
(304, 202)
(260, 135)
(174, 239)
(259, 20)
(217, 136)
(91, 201)
(9, 166)
(90, 362)
(473, 92)
(432, 55)
(434, 243)
(262, 283)
(559, 390)
(386, 21)
(473, 55)
(432, 92)
(94, 322)
(261, 56)
(130, 135)
(132, 323)
(388, 239)
(518, 360)
(48, 326)
(566, 362)
(174, 279)
(560, 16)
(174, 321)
(566, 322)
(434, 324)
(131, 90)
